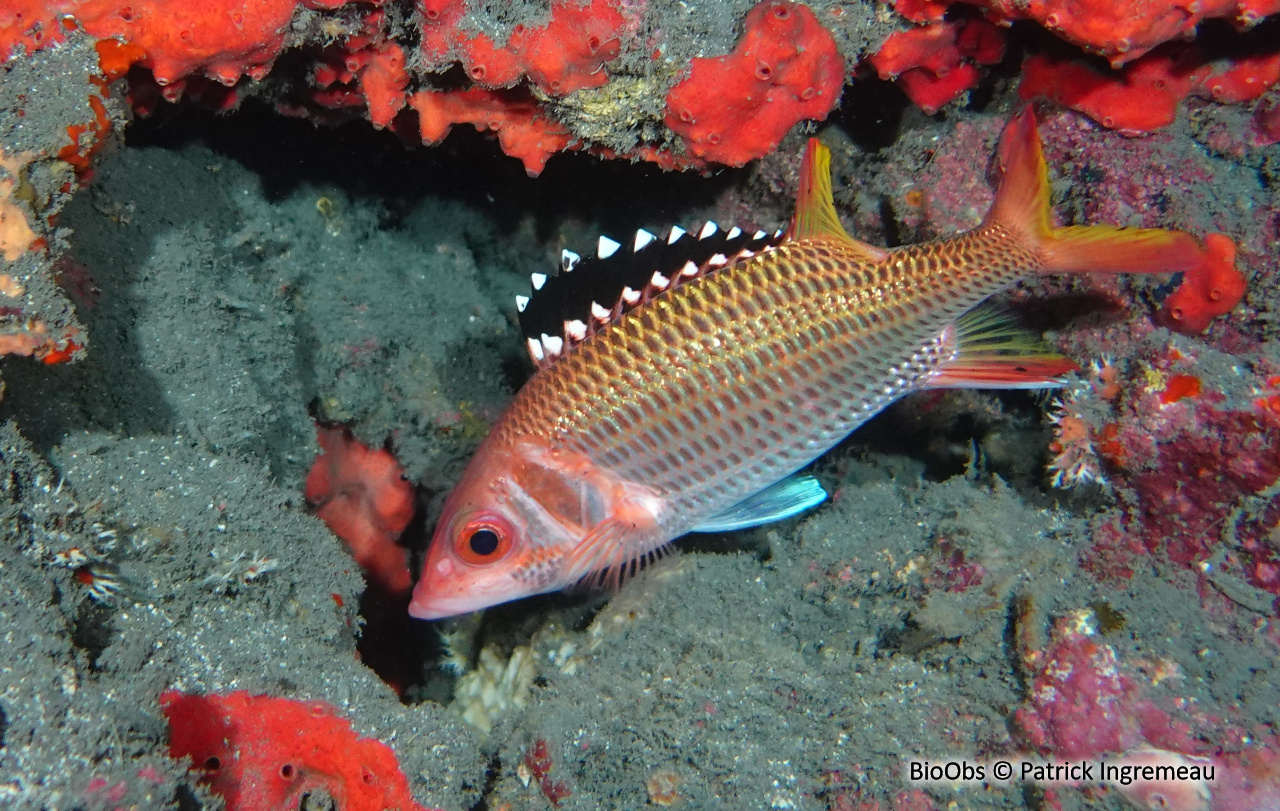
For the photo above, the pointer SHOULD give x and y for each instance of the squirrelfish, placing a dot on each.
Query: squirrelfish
(688, 401)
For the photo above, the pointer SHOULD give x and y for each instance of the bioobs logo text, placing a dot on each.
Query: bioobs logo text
(951, 771)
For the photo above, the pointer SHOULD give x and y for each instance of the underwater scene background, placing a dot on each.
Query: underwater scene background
(260, 265)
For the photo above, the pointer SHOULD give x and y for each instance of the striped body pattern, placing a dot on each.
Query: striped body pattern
(689, 399)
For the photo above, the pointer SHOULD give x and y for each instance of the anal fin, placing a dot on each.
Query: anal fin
(994, 352)
(783, 499)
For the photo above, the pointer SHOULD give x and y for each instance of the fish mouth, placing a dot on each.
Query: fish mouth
(437, 606)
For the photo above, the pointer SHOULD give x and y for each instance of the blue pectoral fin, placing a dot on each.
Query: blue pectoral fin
(780, 500)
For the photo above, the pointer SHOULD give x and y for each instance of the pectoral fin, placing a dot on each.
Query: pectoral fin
(780, 500)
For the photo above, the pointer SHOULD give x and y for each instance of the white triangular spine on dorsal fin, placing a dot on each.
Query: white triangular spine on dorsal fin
(676, 233)
(717, 260)
(630, 296)
(553, 344)
(759, 235)
(521, 303)
(575, 330)
(734, 232)
(707, 230)
(599, 313)
(538, 279)
(689, 269)
(606, 247)
(568, 259)
(777, 233)
(746, 253)
(659, 281)
(535, 350)
(643, 238)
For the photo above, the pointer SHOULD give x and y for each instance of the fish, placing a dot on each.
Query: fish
(692, 401)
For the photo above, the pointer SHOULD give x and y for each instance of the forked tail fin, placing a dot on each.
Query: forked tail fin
(1022, 207)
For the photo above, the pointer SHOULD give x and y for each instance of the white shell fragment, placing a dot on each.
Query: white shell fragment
(606, 247)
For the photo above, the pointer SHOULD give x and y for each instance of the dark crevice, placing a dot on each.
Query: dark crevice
(93, 631)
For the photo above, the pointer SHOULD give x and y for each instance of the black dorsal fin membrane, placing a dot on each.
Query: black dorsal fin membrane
(590, 291)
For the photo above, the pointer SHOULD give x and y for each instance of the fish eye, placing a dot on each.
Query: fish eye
(484, 539)
(484, 542)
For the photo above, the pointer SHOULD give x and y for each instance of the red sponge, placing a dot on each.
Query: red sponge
(1209, 290)
(360, 493)
(1144, 95)
(265, 754)
(569, 53)
(383, 81)
(736, 108)
(523, 130)
(487, 64)
(566, 54)
(934, 64)
(222, 38)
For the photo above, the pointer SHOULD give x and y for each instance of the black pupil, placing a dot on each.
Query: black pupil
(484, 542)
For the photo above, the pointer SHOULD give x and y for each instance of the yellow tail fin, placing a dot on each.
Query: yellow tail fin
(1022, 207)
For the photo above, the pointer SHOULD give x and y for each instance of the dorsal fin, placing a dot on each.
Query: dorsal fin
(590, 292)
(815, 216)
